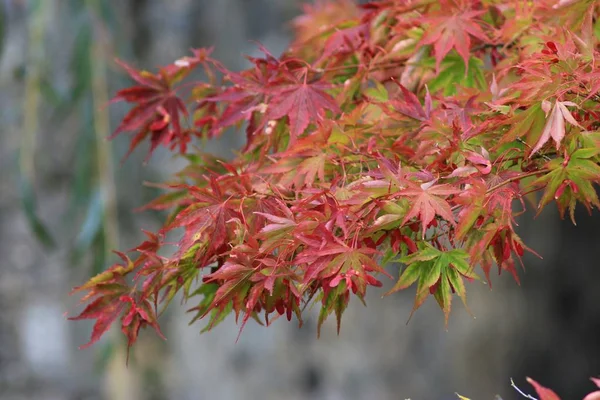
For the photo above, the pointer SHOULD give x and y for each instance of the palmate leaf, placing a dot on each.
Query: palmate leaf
(439, 273)
(453, 74)
(157, 110)
(334, 301)
(427, 202)
(570, 180)
(452, 29)
(111, 299)
(555, 124)
(528, 123)
(410, 105)
(303, 102)
(472, 201)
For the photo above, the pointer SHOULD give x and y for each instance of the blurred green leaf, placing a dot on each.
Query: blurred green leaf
(82, 187)
(92, 224)
(50, 94)
(81, 63)
(107, 350)
(99, 252)
(29, 206)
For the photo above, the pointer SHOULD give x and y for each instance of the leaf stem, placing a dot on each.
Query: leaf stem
(527, 396)
(516, 178)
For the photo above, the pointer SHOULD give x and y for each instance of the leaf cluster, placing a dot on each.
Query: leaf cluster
(396, 131)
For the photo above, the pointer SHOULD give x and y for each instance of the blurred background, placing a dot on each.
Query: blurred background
(66, 201)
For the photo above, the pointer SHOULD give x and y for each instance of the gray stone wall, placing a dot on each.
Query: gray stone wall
(548, 328)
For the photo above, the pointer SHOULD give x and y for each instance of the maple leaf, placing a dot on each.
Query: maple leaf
(393, 215)
(245, 98)
(596, 394)
(411, 106)
(205, 219)
(302, 102)
(543, 392)
(504, 189)
(576, 173)
(105, 310)
(250, 281)
(341, 268)
(453, 73)
(157, 112)
(472, 201)
(113, 298)
(452, 31)
(497, 242)
(555, 124)
(301, 163)
(345, 41)
(529, 122)
(427, 203)
(437, 272)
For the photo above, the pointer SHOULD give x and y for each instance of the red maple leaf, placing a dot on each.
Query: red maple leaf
(543, 392)
(595, 395)
(206, 217)
(410, 105)
(427, 203)
(555, 124)
(345, 41)
(302, 102)
(454, 30)
(157, 111)
(113, 298)
(248, 91)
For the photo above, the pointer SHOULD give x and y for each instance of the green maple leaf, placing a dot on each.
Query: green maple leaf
(453, 73)
(529, 123)
(570, 180)
(436, 272)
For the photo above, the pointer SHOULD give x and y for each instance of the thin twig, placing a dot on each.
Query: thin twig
(527, 396)
(517, 178)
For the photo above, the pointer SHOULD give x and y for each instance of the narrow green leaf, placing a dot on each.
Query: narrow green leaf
(585, 153)
(552, 180)
(458, 284)
(408, 277)
(328, 306)
(458, 258)
(466, 222)
(91, 226)
(217, 316)
(528, 123)
(378, 93)
(421, 296)
(443, 295)
(29, 207)
(432, 274)
(428, 252)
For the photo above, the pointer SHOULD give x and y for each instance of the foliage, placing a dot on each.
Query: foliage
(547, 394)
(395, 131)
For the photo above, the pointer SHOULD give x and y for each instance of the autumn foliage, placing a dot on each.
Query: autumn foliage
(405, 132)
